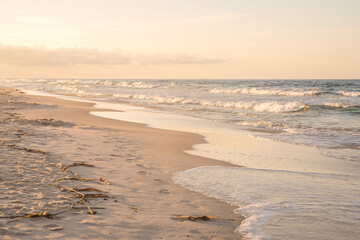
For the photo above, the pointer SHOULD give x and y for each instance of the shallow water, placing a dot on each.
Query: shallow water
(284, 204)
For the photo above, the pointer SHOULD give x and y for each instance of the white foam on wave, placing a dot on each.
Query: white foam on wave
(337, 105)
(256, 123)
(271, 107)
(255, 91)
(325, 139)
(76, 91)
(139, 84)
(61, 82)
(221, 104)
(71, 82)
(41, 80)
(276, 107)
(349, 94)
(157, 99)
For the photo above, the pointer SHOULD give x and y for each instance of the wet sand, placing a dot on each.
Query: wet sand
(39, 135)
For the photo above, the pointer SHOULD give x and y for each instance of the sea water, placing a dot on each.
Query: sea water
(297, 140)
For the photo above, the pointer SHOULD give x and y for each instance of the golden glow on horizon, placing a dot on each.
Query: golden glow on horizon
(180, 39)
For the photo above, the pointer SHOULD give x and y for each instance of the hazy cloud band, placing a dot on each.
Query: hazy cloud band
(27, 56)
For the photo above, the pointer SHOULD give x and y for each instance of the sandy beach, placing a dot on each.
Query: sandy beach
(40, 136)
(180, 120)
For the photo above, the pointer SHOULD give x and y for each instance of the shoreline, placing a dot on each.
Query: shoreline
(161, 154)
(182, 141)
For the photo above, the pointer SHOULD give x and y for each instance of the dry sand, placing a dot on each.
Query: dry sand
(138, 161)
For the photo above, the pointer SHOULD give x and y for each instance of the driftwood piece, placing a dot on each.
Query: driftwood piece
(85, 179)
(35, 215)
(77, 164)
(73, 173)
(77, 190)
(83, 196)
(204, 218)
(25, 149)
(83, 201)
(87, 208)
(105, 181)
(75, 178)
(88, 189)
(92, 195)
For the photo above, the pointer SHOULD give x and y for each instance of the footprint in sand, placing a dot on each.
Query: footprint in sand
(165, 191)
(144, 173)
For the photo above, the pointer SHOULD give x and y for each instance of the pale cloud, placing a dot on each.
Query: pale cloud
(39, 56)
(42, 56)
(213, 18)
(178, 59)
(199, 21)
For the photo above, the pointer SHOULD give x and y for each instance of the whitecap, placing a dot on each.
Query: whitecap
(256, 91)
(275, 107)
(349, 94)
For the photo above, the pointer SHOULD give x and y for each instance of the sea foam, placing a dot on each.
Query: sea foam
(275, 107)
(271, 107)
(255, 91)
(349, 94)
(269, 198)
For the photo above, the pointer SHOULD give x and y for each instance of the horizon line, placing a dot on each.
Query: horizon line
(48, 78)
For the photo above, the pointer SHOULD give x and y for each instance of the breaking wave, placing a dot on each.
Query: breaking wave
(337, 105)
(349, 94)
(255, 91)
(275, 107)
(271, 107)
(117, 83)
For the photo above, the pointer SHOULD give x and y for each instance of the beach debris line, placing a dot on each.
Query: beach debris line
(35, 215)
(204, 218)
(46, 214)
(84, 196)
(77, 190)
(64, 168)
(80, 195)
(92, 195)
(88, 189)
(13, 143)
(87, 208)
(24, 148)
(76, 164)
(105, 181)
(85, 179)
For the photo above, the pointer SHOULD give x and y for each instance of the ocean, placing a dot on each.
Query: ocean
(297, 142)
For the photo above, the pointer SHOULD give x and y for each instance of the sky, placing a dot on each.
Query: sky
(174, 39)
